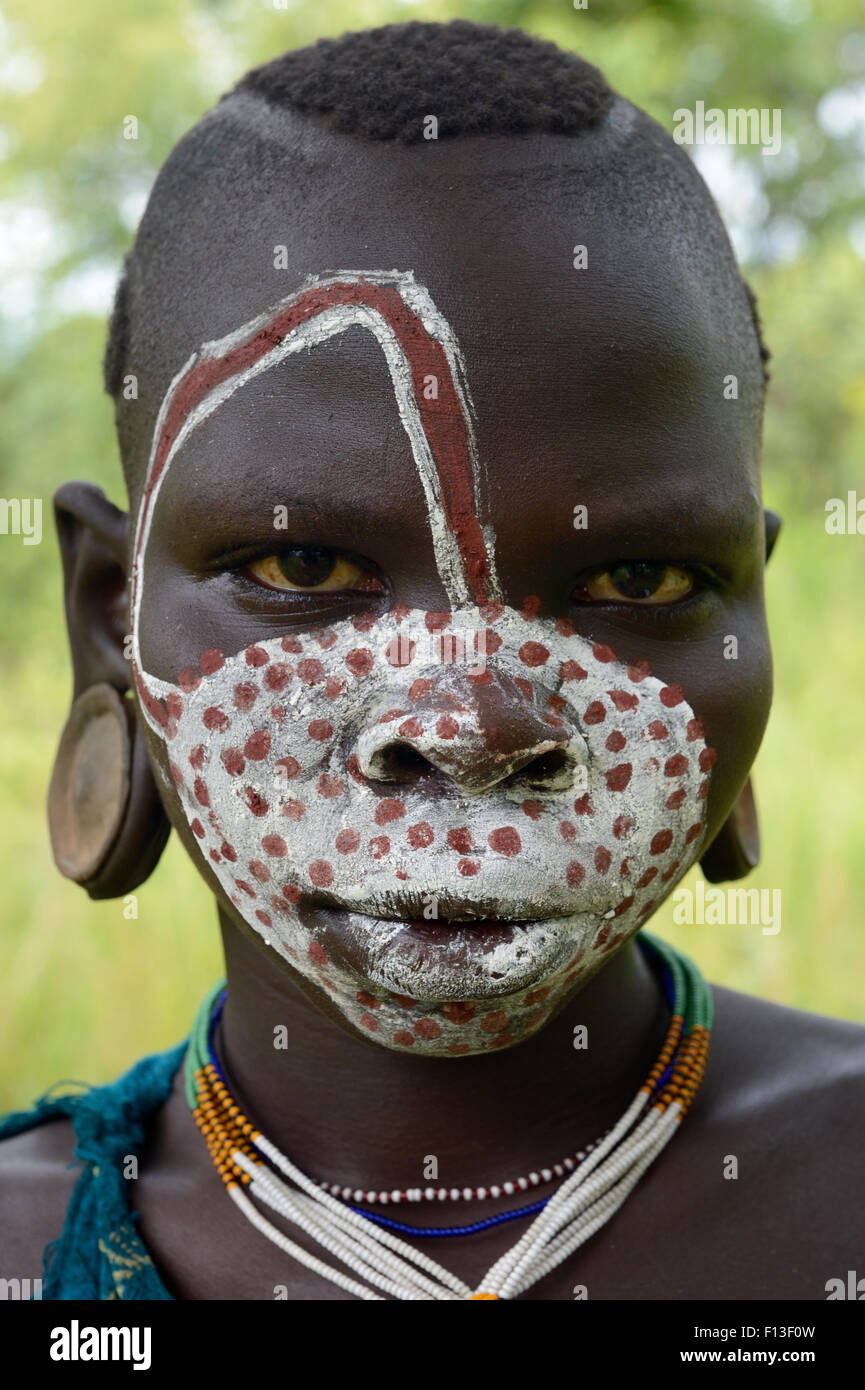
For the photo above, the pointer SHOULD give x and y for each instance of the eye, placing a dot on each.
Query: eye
(637, 582)
(310, 569)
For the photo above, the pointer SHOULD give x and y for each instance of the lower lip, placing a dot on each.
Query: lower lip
(436, 943)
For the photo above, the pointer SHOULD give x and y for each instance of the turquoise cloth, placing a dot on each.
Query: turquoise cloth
(99, 1253)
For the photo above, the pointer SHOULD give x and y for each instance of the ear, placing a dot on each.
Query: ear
(108, 826)
(773, 526)
(735, 850)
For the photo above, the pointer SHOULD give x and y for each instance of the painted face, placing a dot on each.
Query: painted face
(450, 915)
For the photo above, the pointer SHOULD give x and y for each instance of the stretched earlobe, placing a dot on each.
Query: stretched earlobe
(108, 827)
(773, 524)
(107, 822)
(735, 850)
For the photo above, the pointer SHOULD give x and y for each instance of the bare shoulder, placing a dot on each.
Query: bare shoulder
(36, 1184)
(797, 1079)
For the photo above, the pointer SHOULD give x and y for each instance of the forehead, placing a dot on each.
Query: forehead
(603, 376)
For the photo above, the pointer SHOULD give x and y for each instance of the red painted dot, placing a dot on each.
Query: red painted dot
(320, 730)
(274, 845)
(257, 746)
(259, 870)
(505, 840)
(410, 728)
(447, 726)
(363, 621)
(287, 767)
(369, 1001)
(176, 774)
(603, 859)
(494, 1022)
(174, 704)
(294, 809)
(675, 799)
(427, 1028)
(557, 704)
(215, 719)
(256, 656)
(201, 794)
(661, 841)
(420, 836)
(389, 809)
(657, 729)
(229, 852)
(263, 917)
(523, 686)
(672, 695)
(379, 846)
(638, 671)
(436, 621)
(459, 1049)
(188, 679)
(317, 954)
(404, 1001)
(197, 756)
(291, 644)
(291, 892)
(603, 653)
(618, 777)
(277, 676)
(403, 1038)
(616, 742)
(310, 670)
(575, 874)
(623, 700)
(565, 627)
(703, 790)
(256, 802)
(693, 832)
(217, 858)
(233, 761)
(333, 688)
(330, 786)
(320, 873)
(572, 671)
(359, 661)
(211, 660)
(458, 1012)
(694, 730)
(623, 907)
(665, 877)
(354, 770)
(708, 758)
(347, 841)
(468, 867)
(595, 713)
(568, 831)
(400, 651)
(643, 912)
(533, 654)
(583, 805)
(675, 766)
(197, 828)
(460, 840)
(250, 892)
(537, 996)
(422, 686)
(368, 1021)
(245, 695)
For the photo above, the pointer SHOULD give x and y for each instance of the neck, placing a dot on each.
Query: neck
(349, 1111)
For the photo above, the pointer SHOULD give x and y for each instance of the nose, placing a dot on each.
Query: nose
(477, 732)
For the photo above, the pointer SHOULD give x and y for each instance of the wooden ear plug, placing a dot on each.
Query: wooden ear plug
(90, 784)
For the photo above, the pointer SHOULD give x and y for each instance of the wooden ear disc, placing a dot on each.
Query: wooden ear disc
(90, 784)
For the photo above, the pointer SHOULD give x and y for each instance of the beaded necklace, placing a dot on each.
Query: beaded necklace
(367, 1243)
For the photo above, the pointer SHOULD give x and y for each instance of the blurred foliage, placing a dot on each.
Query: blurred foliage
(77, 991)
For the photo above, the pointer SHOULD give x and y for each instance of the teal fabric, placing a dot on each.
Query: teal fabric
(99, 1253)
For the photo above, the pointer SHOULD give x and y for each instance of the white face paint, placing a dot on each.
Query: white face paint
(571, 789)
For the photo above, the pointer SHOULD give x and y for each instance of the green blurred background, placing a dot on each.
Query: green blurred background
(84, 990)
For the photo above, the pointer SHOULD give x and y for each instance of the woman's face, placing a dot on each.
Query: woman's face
(430, 637)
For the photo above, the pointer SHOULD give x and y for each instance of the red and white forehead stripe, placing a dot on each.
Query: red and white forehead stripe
(419, 347)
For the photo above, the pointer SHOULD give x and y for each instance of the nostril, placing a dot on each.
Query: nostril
(549, 770)
(397, 762)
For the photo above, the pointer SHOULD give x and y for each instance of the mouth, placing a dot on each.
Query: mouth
(458, 957)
